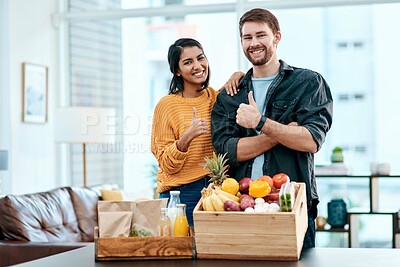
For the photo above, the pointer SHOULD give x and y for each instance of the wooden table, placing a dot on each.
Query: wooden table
(317, 257)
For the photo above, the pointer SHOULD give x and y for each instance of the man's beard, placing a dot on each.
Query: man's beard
(259, 61)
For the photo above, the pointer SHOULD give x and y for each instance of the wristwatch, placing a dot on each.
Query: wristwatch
(261, 123)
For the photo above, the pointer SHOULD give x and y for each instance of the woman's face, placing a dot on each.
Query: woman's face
(193, 67)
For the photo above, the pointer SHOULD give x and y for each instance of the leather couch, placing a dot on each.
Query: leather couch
(42, 224)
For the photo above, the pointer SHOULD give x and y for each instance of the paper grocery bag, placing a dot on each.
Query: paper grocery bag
(146, 213)
(115, 218)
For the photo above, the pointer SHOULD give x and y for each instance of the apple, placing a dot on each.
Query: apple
(272, 197)
(244, 184)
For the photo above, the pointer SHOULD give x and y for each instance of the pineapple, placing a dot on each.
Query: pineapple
(218, 167)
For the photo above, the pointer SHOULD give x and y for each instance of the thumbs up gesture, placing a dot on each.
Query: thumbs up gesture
(198, 126)
(248, 115)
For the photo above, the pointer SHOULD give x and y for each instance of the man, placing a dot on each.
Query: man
(278, 119)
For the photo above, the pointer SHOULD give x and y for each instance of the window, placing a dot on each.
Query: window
(147, 76)
(352, 46)
(95, 67)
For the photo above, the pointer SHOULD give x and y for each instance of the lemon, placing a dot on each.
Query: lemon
(230, 185)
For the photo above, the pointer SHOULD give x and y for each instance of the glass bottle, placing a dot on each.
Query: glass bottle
(181, 225)
(164, 225)
(174, 200)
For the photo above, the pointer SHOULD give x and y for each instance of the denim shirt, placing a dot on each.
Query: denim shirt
(296, 94)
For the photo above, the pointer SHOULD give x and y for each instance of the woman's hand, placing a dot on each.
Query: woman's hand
(231, 86)
(197, 127)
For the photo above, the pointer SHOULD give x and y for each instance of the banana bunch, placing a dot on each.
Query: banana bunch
(213, 199)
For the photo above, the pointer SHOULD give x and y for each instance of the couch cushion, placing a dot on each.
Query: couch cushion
(40, 217)
(106, 186)
(111, 195)
(85, 204)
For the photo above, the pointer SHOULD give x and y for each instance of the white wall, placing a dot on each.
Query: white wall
(4, 93)
(31, 38)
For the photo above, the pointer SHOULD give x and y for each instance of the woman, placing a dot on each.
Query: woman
(181, 135)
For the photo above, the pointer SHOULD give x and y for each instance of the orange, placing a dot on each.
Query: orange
(268, 179)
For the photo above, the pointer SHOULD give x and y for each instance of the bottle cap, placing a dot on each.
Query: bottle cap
(174, 193)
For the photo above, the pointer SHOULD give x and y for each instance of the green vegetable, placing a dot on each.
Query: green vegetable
(139, 231)
(286, 202)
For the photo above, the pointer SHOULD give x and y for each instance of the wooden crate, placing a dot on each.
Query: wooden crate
(144, 248)
(253, 236)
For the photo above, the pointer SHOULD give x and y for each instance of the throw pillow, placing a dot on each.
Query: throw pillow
(111, 194)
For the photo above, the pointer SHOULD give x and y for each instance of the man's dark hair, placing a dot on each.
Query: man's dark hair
(259, 15)
(174, 54)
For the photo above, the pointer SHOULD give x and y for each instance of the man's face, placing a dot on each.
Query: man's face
(258, 42)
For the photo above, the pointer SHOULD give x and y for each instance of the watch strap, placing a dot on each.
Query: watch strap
(261, 123)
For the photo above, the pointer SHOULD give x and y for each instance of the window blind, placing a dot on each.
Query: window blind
(95, 67)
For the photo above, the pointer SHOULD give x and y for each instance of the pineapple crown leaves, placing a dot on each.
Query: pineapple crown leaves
(218, 167)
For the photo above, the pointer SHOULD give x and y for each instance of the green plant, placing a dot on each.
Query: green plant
(154, 171)
(337, 154)
(337, 149)
(152, 176)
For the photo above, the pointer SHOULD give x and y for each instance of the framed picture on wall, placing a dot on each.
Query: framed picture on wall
(34, 91)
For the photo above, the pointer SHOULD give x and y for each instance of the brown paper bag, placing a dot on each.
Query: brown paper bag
(146, 213)
(117, 217)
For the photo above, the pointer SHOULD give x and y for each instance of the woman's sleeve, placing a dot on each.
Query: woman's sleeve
(164, 142)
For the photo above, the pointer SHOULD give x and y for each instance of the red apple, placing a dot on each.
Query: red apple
(244, 184)
(272, 197)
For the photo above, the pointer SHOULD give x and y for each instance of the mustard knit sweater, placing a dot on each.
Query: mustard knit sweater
(172, 116)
